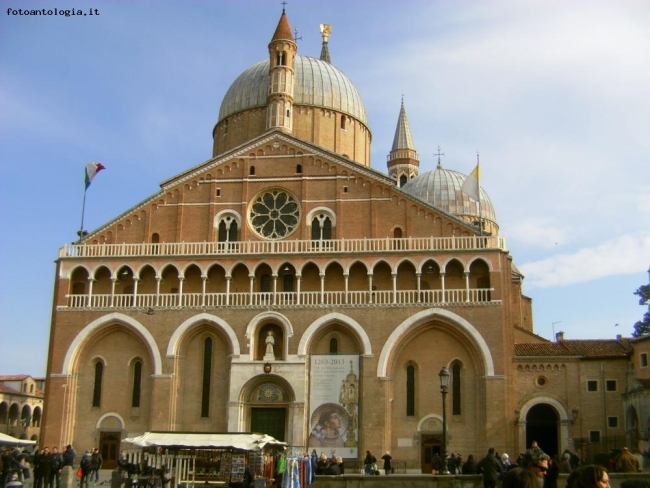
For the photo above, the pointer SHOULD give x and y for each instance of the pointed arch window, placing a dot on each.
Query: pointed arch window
(410, 390)
(456, 389)
(321, 228)
(403, 179)
(97, 387)
(227, 230)
(137, 384)
(207, 370)
(334, 346)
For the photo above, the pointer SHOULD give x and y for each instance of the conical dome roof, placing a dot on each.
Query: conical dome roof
(442, 188)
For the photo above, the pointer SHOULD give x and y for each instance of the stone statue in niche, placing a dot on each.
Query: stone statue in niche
(270, 342)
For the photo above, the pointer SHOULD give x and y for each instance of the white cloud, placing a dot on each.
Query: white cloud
(625, 255)
(539, 232)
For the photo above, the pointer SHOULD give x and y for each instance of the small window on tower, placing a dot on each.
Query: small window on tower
(343, 122)
(218, 192)
(251, 171)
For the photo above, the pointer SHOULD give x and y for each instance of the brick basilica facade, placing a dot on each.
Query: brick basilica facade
(285, 286)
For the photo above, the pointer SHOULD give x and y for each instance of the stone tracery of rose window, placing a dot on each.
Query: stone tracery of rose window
(274, 214)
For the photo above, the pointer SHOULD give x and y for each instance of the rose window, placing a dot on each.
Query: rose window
(274, 214)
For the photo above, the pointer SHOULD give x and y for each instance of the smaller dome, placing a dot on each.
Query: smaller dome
(442, 188)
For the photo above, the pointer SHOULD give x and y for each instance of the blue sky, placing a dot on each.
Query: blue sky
(553, 94)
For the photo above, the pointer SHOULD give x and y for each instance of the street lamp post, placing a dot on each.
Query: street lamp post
(444, 386)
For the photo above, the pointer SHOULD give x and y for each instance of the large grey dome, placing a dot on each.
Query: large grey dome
(317, 83)
(442, 188)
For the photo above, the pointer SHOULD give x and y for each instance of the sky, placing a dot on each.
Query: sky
(553, 95)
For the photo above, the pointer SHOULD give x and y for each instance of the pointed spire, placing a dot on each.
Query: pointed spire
(283, 30)
(325, 30)
(403, 139)
(403, 162)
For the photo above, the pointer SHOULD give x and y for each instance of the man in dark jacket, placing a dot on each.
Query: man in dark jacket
(490, 467)
(86, 467)
(96, 461)
(56, 463)
(42, 469)
(68, 456)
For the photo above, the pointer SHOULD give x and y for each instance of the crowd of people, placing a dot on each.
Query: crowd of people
(535, 469)
(45, 466)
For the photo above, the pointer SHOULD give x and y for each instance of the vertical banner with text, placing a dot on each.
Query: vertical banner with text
(334, 405)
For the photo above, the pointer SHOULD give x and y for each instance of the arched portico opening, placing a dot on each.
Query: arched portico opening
(542, 426)
(269, 406)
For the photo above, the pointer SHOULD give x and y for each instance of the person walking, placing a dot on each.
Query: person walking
(451, 464)
(86, 467)
(469, 466)
(436, 464)
(520, 478)
(56, 463)
(368, 462)
(593, 476)
(627, 462)
(39, 468)
(96, 461)
(537, 461)
(490, 468)
(388, 468)
(69, 456)
(565, 464)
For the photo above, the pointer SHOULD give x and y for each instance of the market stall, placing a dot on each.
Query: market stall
(7, 440)
(186, 459)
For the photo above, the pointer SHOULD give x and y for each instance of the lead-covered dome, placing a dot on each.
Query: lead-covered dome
(442, 188)
(317, 83)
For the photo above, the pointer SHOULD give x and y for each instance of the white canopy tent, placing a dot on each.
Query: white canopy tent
(7, 440)
(198, 440)
(190, 456)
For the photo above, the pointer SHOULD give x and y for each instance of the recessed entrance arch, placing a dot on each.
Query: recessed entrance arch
(270, 402)
(543, 425)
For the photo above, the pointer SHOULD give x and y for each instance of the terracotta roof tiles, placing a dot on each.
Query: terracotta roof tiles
(6, 389)
(283, 30)
(586, 349)
(14, 377)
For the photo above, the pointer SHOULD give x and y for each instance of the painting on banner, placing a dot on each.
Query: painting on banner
(334, 405)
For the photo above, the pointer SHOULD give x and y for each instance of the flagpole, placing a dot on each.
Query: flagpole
(90, 172)
(80, 233)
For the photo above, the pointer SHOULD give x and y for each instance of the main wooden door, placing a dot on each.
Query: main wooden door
(430, 445)
(269, 421)
(109, 447)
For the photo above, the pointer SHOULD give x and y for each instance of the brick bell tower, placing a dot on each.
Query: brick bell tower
(282, 53)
